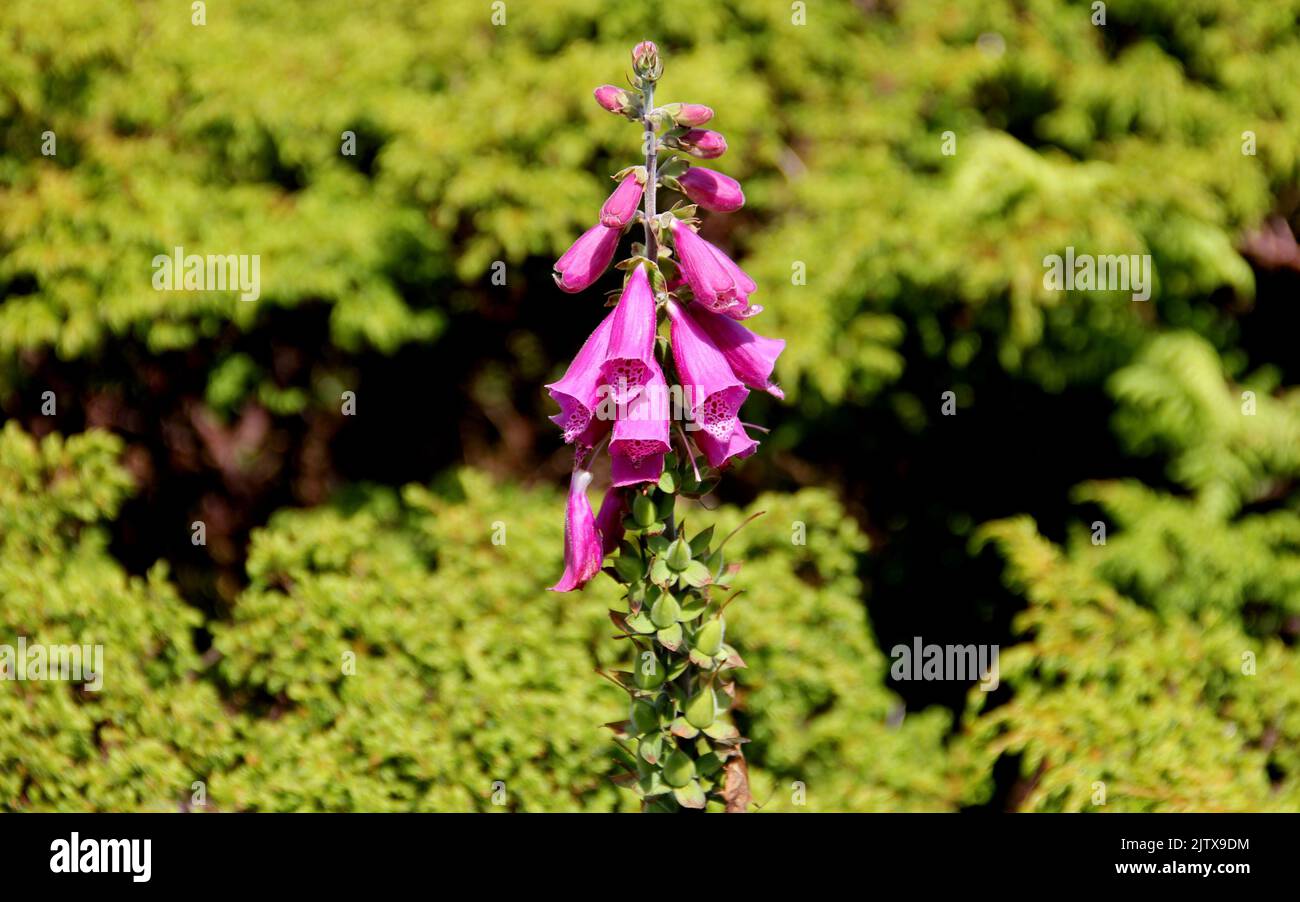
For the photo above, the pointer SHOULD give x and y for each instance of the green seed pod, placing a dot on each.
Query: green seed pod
(709, 639)
(679, 555)
(644, 717)
(648, 674)
(665, 611)
(643, 510)
(702, 709)
(678, 769)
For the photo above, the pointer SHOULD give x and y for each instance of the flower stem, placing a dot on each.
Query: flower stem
(651, 168)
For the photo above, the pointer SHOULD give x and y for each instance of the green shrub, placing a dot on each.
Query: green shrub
(152, 729)
(1154, 660)
(387, 655)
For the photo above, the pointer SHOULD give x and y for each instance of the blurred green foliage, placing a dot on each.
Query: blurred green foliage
(893, 269)
(1153, 666)
(388, 655)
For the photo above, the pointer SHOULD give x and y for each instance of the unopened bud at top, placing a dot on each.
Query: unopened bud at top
(613, 98)
(645, 61)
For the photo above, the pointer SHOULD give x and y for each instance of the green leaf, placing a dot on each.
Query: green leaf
(678, 668)
(696, 575)
(640, 623)
(651, 748)
(693, 605)
(683, 729)
(664, 507)
(652, 784)
(671, 637)
(660, 575)
(700, 544)
(629, 566)
(690, 796)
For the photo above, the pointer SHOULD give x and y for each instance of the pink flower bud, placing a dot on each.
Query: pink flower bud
(612, 98)
(692, 114)
(586, 258)
(712, 190)
(703, 143)
(621, 205)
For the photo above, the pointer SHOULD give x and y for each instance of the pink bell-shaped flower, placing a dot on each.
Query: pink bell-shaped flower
(578, 390)
(752, 357)
(629, 355)
(715, 280)
(719, 451)
(582, 550)
(715, 394)
(640, 436)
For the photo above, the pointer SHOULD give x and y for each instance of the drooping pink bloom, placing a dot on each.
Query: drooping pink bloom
(621, 206)
(719, 451)
(712, 389)
(629, 356)
(715, 280)
(712, 190)
(582, 551)
(609, 522)
(578, 390)
(751, 357)
(586, 258)
(612, 98)
(704, 143)
(640, 437)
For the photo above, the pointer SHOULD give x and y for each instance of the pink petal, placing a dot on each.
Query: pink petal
(714, 391)
(582, 551)
(752, 357)
(577, 392)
